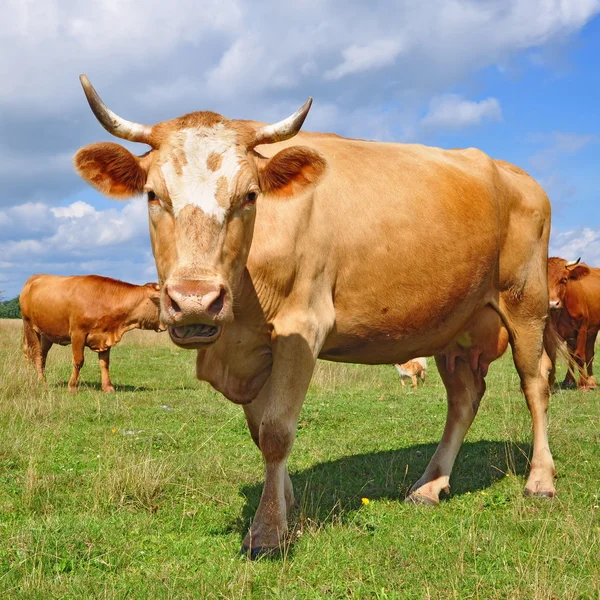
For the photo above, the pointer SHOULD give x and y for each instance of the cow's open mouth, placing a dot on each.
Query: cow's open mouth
(186, 335)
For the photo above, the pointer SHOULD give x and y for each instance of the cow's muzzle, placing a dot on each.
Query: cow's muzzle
(196, 310)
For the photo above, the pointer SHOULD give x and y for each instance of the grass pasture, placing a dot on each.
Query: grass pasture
(148, 493)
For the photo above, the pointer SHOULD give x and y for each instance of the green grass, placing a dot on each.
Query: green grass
(148, 493)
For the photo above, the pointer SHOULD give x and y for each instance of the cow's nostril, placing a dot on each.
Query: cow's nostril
(174, 306)
(171, 303)
(216, 306)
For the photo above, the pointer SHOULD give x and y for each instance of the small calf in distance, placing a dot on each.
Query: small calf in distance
(84, 310)
(417, 367)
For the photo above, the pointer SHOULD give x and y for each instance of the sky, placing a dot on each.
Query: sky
(519, 79)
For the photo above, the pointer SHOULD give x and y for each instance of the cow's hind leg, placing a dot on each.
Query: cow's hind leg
(463, 366)
(46, 345)
(526, 340)
(32, 348)
(464, 388)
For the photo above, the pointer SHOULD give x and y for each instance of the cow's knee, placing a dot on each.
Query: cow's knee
(275, 442)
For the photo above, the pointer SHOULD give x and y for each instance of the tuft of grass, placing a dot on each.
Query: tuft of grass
(130, 482)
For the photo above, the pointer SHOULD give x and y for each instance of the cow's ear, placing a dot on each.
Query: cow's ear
(291, 171)
(111, 169)
(579, 271)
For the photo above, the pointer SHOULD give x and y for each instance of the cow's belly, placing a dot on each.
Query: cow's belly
(54, 332)
(395, 326)
(62, 340)
(388, 341)
(478, 340)
(384, 348)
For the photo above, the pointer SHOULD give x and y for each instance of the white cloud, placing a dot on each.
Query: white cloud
(57, 39)
(375, 55)
(76, 210)
(451, 111)
(583, 242)
(218, 43)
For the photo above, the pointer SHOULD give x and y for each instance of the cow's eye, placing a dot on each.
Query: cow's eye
(250, 198)
(152, 196)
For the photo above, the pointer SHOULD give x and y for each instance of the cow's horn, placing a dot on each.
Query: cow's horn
(573, 263)
(127, 130)
(283, 130)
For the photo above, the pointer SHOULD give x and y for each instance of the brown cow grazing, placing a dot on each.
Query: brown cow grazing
(417, 367)
(272, 255)
(574, 290)
(84, 310)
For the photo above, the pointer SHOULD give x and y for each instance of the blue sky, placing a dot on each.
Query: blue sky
(519, 79)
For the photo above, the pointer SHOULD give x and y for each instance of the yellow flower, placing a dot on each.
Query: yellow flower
(114, 430)
(365, 501)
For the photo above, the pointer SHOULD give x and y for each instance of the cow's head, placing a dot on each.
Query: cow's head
(202, 178)
(560, 272)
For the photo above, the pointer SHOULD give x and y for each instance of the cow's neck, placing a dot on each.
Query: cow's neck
(138, 315)
(239, 364)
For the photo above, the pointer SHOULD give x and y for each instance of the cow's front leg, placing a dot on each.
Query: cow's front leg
(77, 346)
(254, 414)
(104, 361)
(280, 401)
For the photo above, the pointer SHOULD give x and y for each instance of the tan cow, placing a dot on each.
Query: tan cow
(417, 367)
(274, 253)
(84, 310)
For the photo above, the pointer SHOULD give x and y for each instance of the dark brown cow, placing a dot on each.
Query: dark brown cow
(85, 310)
(574, 296)
(274, 254)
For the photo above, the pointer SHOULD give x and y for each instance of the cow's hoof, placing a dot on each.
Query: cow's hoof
(420, 500)
(73, 390)
(568, 385)
(539, 494)
(109, 390)
(257, 552)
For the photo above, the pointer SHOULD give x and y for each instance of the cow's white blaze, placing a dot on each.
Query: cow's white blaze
(193, 182)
